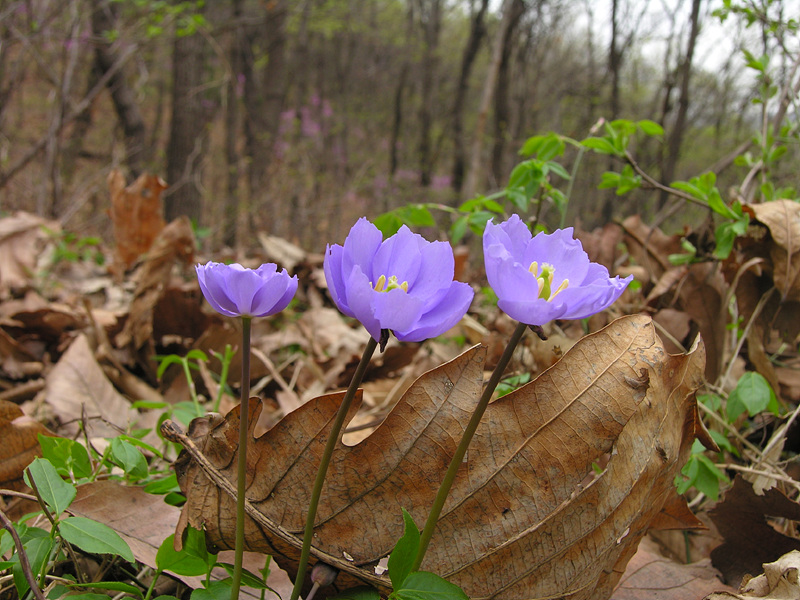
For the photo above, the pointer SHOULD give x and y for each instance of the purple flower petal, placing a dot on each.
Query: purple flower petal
(398, 256)
(403, 284)
(509, 254)
(235, 291)
(442, 317)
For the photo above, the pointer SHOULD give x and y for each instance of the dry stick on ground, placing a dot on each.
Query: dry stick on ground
(174, 433)
(23, 558)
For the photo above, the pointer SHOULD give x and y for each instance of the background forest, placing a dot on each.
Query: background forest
(296, 116)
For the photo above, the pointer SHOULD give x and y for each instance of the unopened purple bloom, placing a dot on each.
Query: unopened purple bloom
(236, 291)
(403, 284)
(547, 277)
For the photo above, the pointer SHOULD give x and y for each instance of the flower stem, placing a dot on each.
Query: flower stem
(466, 438)
(241, 480)
(333, 439)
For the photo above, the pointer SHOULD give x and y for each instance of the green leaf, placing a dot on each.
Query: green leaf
(127, 456)
(601, 145)
(405, 552)
(427, 586)
(38, 550)
(117, 586)
(168, 360)
(217, 590)
(651, 127)
(358, 593)
(180, 563)
(94, 537)
(56, 493)
(163, 486)
(752, 394)
(249, 578)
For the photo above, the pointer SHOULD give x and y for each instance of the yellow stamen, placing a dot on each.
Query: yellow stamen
(544, 280)
(560, 288)
(385, 285)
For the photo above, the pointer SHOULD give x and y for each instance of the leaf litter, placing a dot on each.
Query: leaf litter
(522, 515)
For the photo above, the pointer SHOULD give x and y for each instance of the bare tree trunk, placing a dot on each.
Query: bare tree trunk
(104, 20)
(431, 21)
(187, 138)
(236, 60)
(476, 33)
(475, 173)
(399, 92)
(502, 110)
(264, 93)
(675, 138)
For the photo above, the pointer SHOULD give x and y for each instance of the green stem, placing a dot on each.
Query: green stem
(333, 439)
(466, 438)
(241, 480)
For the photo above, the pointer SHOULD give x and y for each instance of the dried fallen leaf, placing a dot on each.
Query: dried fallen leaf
(77, 386)
(780, 581)
(652, 576)
(20, 435)
(750, 541)
(136, 214)
(528, 515)
(144, 520)
(782, 217)
(22, 238)
(174, 244)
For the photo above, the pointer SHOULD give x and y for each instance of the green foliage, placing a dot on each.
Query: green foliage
(753, 395)
(700, 472)
(509, 384)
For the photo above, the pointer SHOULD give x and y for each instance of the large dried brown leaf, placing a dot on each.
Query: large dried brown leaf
(136, 214)
(143, 520)
(77, 387)
(527, 516)
(20, 435)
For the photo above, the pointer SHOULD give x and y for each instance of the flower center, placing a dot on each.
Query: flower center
(385, 285)
(545, 279)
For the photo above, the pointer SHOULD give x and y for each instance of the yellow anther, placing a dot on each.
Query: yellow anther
(384, 285)
(560, 288)
(544, 280)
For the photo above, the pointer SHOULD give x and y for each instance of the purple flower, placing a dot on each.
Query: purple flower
(547, 277)
(236, 291)
(403, 284)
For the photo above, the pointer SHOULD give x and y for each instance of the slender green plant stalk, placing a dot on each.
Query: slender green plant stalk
(241, 480)
(466, 438)
(333, 439)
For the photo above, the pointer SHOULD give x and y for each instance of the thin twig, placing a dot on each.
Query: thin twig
(174, 433)
(24, 563)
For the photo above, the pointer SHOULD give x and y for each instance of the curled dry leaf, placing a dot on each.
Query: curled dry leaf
(741, 517)
(136, 214)
(780, 581)
(782, 217)
(20, 435)
(174, 244)
(528, 515)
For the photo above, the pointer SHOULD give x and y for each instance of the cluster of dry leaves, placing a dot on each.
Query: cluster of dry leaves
(564, 480)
